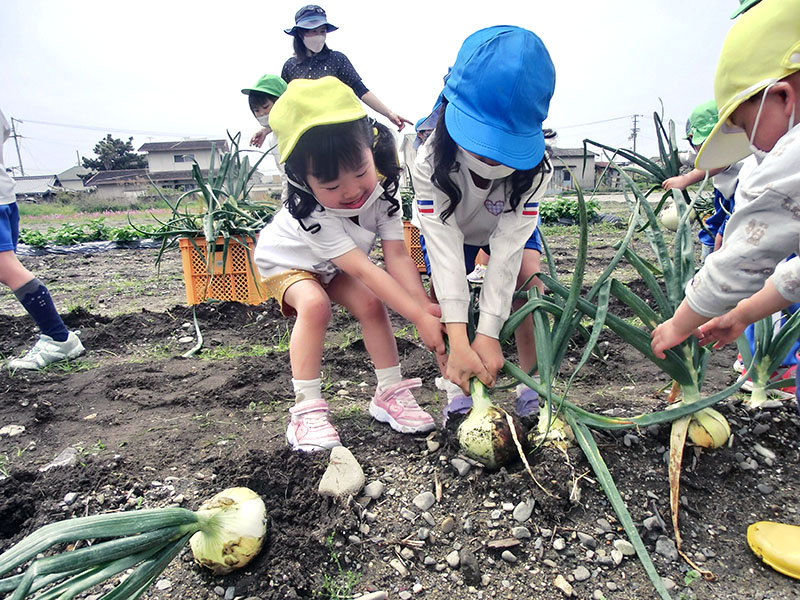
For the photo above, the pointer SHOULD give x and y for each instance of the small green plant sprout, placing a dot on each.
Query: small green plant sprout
(341, 584)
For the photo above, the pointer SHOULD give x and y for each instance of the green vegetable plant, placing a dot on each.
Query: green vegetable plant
(225, 533)
(218, 207)
(550, 211)
(771, 347)
(33, 238)
(558, 316)
(653, 172)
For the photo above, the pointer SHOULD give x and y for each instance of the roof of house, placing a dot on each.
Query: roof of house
(72, 173)
(184, 145)
(34, 185)
(123, 176)
(572, 152)
(70, 179)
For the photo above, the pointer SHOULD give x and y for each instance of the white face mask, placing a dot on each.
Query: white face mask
(314, 43)
(480, 168)
(263, 120)
(354, 212)
(758, 152)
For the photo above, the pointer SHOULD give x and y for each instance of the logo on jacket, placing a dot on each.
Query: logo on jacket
(530, 209)
(494, 207)
(425, 206)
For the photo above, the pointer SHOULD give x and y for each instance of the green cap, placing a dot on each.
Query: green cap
(701, 122)
(268, 84)
(743, 6)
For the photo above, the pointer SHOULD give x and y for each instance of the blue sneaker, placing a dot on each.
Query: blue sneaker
(527, 403)
(460, 405)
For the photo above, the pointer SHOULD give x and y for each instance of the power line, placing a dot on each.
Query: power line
(111, 129)
(592, 122)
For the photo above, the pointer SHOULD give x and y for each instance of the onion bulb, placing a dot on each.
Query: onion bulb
(485, 433)
(709, 429)
(669, 216)
(233, 525)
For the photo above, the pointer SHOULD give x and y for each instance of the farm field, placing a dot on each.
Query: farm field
(149, 429)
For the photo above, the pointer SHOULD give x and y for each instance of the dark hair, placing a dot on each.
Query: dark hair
(257, 99)
(444, 163)
(324, 149)
(300, 50)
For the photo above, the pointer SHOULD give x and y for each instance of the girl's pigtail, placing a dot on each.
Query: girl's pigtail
(384, 151)
(300, 202)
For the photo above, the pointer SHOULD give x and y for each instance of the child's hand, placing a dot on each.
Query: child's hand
(488, 348)
(259, 137)
(677, 183)
(430, 330)
(464, 363)
(723, 329)
(667, 335)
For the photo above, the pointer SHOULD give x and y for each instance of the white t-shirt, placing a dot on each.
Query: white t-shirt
(283, 244)
(6, 183)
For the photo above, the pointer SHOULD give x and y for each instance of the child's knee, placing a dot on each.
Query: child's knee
(370, 307)
(316, 308)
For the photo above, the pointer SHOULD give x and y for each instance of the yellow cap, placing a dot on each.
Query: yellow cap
(307, 103)
(762, 47)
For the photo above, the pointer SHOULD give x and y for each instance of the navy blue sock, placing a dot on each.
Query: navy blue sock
(37, 301)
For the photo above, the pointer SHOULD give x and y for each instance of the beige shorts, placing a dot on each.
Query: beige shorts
(276, 286)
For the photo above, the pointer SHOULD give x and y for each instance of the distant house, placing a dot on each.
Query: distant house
(71, 180)
(607, 175)
(569, 167)
(35, 187)
(169, 165)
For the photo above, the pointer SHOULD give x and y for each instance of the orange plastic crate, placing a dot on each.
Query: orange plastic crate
(411, 238)
(231, 280)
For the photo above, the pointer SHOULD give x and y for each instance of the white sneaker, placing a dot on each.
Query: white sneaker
(47, 351)
(477, 274)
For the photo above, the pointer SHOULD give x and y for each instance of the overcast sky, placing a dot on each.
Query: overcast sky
(170, 69)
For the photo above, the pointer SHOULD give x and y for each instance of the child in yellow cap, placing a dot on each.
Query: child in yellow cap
(343, 175)
(757, 89)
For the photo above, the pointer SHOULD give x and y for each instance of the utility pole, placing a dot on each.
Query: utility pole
(634, 131)
(16, 143)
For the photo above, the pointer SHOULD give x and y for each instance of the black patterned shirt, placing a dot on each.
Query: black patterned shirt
(327, 62)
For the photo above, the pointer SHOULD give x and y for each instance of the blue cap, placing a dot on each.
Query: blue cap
(310, 17)
(498, 95)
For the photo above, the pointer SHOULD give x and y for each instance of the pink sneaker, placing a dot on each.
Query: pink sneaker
(309, 430)
(397, 407)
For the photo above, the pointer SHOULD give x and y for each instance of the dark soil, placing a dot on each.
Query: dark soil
(153, 429)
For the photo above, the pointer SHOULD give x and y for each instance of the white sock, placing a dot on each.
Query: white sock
(449, 388)
(307, 389)
(389, 376)
(521, 388)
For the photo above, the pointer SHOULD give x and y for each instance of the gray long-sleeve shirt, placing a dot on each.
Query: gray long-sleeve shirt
(763, 230)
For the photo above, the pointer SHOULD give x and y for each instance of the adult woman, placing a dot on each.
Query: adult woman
(313, 59)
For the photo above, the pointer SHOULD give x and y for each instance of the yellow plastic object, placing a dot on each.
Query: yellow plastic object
(777, 544)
